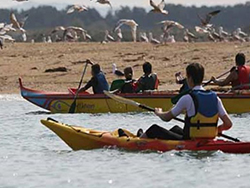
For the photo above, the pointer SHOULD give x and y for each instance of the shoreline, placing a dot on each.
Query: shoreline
(29, 61)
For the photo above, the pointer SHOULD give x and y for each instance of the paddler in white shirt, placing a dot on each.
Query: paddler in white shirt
(203, 109)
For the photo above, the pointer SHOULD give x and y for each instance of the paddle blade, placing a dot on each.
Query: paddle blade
(72, 107)
(121, 99)
(128, 101)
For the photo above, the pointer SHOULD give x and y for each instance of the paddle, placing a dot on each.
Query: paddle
(143, 106)
(73, 105)
(176, 98)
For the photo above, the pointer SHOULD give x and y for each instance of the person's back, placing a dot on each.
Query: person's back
(204, 123)
(129, 82)
(98, 81)
(239, 76)
(101, 83)
(149, 80)
(243, 76)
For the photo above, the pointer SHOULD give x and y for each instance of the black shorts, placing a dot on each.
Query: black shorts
(155, 131)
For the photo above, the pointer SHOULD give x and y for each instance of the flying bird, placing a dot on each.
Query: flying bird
(168, 24)
(16, 23)
(78, 8)
(143, 37)
(158, 8)
(133, 25)
(104, 2)
(205, 21)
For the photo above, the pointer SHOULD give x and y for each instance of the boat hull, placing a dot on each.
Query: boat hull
(79, 138)
(60, 102)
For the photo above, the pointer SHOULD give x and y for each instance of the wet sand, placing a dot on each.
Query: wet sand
(29, 61)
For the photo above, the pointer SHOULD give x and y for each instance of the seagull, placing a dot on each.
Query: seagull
(223, 33)
(116, 71)
(240, 33)
(143, 37)
(152, 40)
(49, 39)
(185, 37)
(108, 37)
(168, 24)
(201, 30)
(58, 28)
(7, 37)
(24, 37)
(210, 37)
(188, 35)
(78, 8)
(5, 28)
(205, 22)
(86, 36)
(104, 2)
(17, 24)
(158, 8)
(70, 32)
(119, 35)
(133, 25)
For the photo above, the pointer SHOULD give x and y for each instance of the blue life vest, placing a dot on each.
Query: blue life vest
(102, 84)
(204, 123)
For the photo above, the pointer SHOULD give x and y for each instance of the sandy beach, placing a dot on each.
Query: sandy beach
(29, 61)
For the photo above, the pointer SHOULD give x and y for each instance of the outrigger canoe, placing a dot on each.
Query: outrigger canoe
(60, 102)
(79, 138)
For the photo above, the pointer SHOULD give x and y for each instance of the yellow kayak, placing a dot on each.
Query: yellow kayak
(79, 138)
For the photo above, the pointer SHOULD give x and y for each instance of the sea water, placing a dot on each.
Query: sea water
(33, 156)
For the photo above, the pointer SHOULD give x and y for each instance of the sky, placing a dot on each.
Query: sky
(115, 3)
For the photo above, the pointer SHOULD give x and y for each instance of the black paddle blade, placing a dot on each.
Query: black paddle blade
(72, 107)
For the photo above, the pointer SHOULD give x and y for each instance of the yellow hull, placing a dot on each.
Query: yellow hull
(60, 102)
(79, 138)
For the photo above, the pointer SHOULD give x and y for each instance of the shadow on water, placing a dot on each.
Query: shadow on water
(37, 112)
(244, 115)
(196, 154)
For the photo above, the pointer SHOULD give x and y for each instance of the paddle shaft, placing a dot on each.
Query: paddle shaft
(175, 99)
(73, 105)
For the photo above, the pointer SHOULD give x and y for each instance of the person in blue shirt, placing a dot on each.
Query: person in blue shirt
(98, 81)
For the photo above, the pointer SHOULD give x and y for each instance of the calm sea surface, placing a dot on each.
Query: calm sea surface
(33, 156)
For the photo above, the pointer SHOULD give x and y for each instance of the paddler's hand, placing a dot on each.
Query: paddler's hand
(165, 116)
(213, 79)
(158, 111)
(89, 62)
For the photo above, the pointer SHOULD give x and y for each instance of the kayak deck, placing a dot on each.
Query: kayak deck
(79, 138)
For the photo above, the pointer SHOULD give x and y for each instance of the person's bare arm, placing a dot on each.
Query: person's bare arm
(231, 77)
(165, 116)
(227, 123)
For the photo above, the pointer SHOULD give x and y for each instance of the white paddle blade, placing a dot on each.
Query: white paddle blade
(120, 99)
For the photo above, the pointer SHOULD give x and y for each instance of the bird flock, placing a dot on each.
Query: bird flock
(206, 30)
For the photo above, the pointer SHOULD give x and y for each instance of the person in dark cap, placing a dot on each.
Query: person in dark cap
(149, 80)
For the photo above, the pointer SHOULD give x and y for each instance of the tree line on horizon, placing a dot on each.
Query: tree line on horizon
(43, 19)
